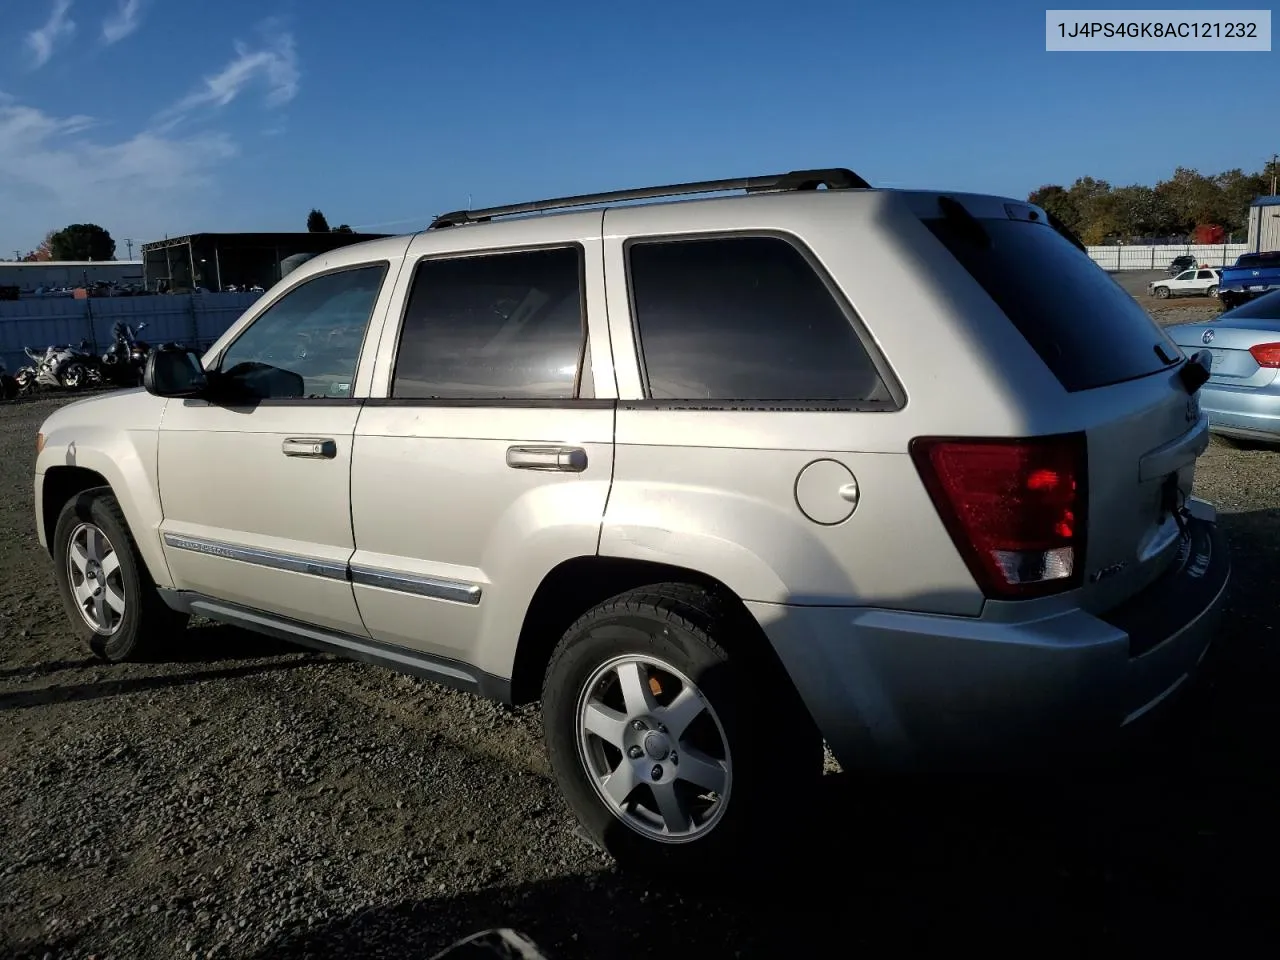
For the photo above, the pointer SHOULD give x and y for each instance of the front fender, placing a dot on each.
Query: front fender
(126, 459)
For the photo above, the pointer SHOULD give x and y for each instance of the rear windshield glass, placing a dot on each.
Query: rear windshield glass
(1266, 307)
(1081, 322)
(1258, 260)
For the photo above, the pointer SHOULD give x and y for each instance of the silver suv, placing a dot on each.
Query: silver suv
(715, 480)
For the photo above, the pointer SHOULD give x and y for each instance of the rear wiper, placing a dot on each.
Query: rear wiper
(966, 222)
(1067, 232)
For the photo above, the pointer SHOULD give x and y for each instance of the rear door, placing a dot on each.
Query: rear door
(484, 456)
(1118, 370)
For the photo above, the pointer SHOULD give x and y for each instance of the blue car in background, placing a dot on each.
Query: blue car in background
(1242, 396)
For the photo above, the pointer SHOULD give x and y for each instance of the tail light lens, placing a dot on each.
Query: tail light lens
(1266, 354)
(1015, 508)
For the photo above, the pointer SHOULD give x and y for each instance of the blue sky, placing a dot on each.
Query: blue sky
(168, 116)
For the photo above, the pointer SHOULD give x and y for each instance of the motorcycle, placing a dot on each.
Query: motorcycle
(126, 358)
(9, 388)
(66, 366)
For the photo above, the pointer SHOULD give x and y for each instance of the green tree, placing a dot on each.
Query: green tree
(316, 223)
(343, 228)
(82, 241)
(1139, 211)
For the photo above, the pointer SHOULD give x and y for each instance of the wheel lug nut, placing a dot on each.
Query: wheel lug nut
(674, 759)
(662, 728)
(635, 753)
(637, 724)
(656, 772)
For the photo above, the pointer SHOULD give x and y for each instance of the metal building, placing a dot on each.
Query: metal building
(1264, 225)
(217, 261)
(29, 277)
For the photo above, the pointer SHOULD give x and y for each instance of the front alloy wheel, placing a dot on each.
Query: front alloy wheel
(654, 748)
(93, 573)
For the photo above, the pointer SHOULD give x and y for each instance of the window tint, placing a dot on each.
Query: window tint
(495, 326)
(743, 318)
(307, 343)
(1204, 275)
(1186, 275)
(1081, 322)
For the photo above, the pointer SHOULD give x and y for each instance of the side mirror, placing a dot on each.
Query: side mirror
(174, 372)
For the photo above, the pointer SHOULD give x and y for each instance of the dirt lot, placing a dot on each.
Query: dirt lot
(249, 800)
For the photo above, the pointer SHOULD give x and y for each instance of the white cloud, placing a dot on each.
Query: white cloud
(54, 171)
(126, 19)
(272, 66)
(57, 28)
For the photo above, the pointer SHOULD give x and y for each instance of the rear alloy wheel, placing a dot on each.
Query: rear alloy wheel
(1162, 293)
(1213, 292)
(674, 741)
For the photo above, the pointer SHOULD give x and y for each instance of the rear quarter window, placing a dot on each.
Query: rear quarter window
(1088, 331)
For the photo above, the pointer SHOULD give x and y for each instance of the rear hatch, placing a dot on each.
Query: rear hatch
(1236, 343)
(1142, 430)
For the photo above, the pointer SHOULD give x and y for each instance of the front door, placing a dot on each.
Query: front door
(256, 487)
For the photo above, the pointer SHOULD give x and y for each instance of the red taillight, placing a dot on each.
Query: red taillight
(1266, 354)
(1015, 508)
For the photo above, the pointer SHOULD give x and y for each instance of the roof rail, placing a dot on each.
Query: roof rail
(834, 178)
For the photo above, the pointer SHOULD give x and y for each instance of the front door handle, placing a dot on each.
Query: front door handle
(316, 448)
(563, 459)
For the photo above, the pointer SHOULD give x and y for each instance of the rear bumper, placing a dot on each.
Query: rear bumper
(1242, 411)
(891, 689)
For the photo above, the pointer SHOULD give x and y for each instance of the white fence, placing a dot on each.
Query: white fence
(196, 319)
(1159, 257)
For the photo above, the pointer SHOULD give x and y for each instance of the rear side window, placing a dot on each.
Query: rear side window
(744, 318)
(1083, 324)
(493, 327)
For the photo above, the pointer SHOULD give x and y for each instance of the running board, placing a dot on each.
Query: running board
(450, 673)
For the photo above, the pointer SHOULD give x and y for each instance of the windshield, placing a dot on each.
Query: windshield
(1083, 324)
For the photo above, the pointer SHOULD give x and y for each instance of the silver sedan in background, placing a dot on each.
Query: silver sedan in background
(1242, 397)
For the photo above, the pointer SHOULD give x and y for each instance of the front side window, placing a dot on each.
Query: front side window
(493, 327)
(307, 343)
(744, 318)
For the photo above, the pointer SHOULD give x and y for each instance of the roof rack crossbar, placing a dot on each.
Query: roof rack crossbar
(834, 178)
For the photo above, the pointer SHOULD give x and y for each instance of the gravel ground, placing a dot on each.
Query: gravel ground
(245, 799)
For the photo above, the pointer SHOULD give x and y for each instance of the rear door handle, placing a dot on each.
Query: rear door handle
(315, 448)
(563, 459)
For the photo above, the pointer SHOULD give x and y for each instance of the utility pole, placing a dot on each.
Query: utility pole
(128, 242)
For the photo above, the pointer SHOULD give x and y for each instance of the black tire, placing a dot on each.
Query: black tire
(8, 387)
(148, 625)
(1162, 293)
(74, 376)
(776, 753)
(1213, 292)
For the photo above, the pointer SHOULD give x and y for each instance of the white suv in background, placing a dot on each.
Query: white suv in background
(1201, 282)
(714, 480)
